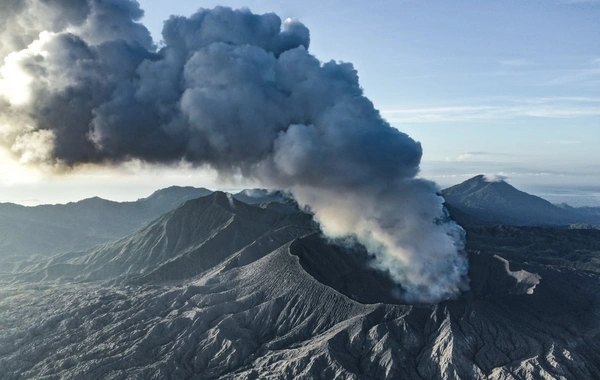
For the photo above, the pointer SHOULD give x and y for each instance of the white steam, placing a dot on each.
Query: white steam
(493, 178)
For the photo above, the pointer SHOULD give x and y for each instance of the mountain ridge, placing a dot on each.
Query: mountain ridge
(51, 229)
(178, 245)
(497, 202)
(219, 289)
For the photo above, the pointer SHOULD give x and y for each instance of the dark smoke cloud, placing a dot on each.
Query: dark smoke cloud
(239, 92)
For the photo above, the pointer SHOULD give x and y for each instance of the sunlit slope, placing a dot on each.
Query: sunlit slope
(181, 244)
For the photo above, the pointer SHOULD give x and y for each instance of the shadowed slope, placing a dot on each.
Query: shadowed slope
(347, 270)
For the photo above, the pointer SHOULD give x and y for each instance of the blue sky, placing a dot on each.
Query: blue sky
(509, 87)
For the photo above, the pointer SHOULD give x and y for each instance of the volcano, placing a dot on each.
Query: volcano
(481, 201)
(222, 289)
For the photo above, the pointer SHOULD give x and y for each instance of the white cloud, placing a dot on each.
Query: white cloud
(478, 156)
(494, 177)
(519, 62)
(13, 172)
(560, 107)
(586, 73)
(564, 142)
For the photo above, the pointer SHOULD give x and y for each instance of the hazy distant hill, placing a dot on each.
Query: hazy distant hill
(49, 229)
(481, 201)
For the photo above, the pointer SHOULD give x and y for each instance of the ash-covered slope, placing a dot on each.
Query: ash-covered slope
(301, 309)
(479, 200)
(270, 318)
(51, 229)
(577, 249)
(191, 239)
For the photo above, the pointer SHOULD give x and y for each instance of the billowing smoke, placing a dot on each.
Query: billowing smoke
(82, 83)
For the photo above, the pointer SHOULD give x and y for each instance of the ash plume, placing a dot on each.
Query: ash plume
(81, 82)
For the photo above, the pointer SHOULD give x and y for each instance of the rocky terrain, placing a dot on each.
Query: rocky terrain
(220, 289)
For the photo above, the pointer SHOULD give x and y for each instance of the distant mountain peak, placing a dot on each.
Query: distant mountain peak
(223, 199)
(473, 185)
(92, 200)
(493, 178)
(492, 199)
(482, 181)
(177, 191)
